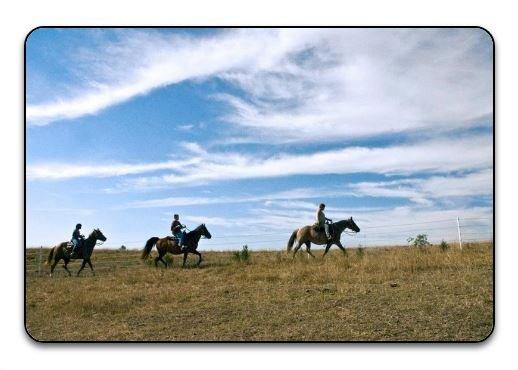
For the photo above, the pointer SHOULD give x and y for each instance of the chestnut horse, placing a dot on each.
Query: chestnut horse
(308, 234)
(170, 245)
(83, 252)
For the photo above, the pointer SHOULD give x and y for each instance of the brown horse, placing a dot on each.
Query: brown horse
(83, 252)
(170, 245)
(308, 234)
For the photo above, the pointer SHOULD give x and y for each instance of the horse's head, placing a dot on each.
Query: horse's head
(204, 231)
(352, 225)
(98, 235)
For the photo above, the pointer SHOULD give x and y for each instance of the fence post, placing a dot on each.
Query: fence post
(39, 260)
(458, 232)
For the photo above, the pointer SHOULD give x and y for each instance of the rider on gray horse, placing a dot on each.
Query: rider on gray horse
(322, 220)
(77, 239)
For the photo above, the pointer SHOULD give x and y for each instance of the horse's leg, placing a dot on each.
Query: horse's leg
(308, 249)
(53, 266)
(163, 261)
(82, 267)
(199, 255)
(185, 258)
(327, 249)
(339, 244)
(65, 266)
(296, 248)
(90, 264)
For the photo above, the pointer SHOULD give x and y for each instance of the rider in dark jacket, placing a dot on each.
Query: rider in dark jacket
(177, 229)
(77, 238)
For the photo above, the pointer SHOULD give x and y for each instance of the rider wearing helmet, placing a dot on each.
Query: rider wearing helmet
(77, 238)
(322, 220)
(177, 230)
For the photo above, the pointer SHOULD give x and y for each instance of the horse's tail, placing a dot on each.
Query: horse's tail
(292, 240)
(149, 245)
(49, 258)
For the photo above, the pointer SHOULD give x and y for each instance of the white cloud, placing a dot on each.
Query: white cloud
(304, 84)
(61, 171)
(140, 62)
(431, 156)
(363, 83)
(437, 156)
(423, 190)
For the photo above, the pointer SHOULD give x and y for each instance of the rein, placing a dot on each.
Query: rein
(349, 232)
(352, 233)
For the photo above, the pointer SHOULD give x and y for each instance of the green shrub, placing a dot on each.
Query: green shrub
(168, 258)
(421, 240)
(243, 255)
(444, 246)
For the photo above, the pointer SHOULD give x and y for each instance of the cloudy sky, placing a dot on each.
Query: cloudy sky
(247, 130)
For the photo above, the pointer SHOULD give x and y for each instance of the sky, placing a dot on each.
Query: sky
(248, 130)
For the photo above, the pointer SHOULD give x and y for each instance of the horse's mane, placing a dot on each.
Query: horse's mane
(341, 222)
(195, 229)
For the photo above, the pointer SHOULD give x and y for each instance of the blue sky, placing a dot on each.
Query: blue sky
(247, 130)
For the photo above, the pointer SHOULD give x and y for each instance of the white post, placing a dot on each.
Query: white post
(458, 232)
(39, 260)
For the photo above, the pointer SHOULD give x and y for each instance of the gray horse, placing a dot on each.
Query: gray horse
(308, 234)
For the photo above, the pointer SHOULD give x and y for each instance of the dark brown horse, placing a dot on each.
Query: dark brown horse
(170, 245)
(83, 252)
(308, 234)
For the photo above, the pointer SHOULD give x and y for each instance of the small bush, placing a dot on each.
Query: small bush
(421, 240)
(122, 248)
(243, 255)
(360, 251)
(168, 258)
(444, 246)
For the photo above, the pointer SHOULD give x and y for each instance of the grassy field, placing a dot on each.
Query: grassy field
(396, 294)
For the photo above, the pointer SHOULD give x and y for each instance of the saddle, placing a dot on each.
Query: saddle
(320, 229)
(78, 251)
(173, 239)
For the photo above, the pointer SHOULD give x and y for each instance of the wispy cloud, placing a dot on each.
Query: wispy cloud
(61, 171)
(202, 167)
(431, 156)
(422, 190)
(303, 84)
(148, 60)
(295, 193)
(390, 82)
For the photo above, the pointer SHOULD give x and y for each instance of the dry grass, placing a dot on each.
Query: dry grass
(396, 294)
